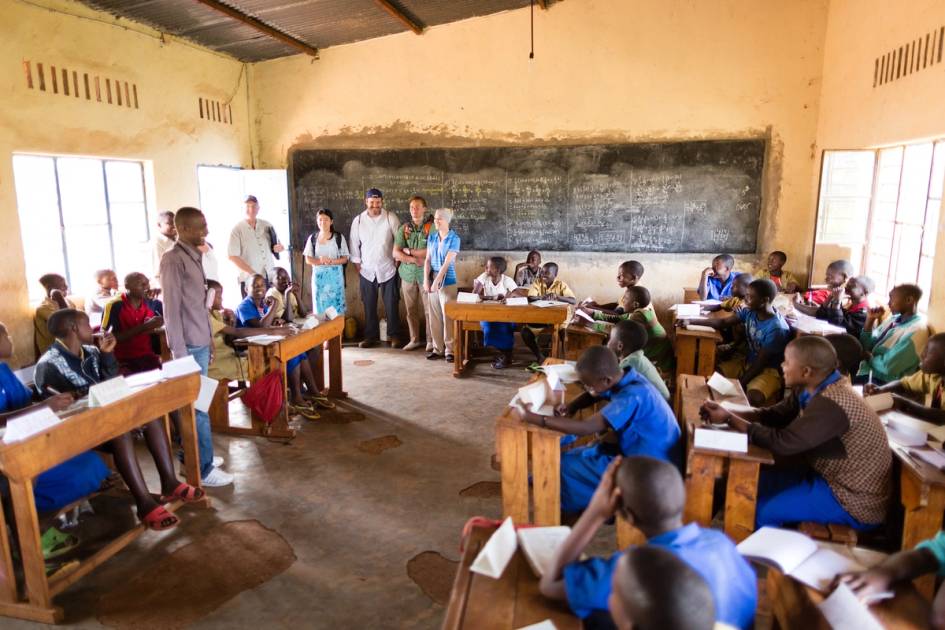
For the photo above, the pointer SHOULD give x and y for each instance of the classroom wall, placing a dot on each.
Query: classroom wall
(855, 115)
(165, 130)
(604, 71)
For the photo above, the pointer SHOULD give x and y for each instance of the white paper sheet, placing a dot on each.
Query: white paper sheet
(784, 548)
(687, 311)
(464, 297)
(548, 303)
(736, 408)
(906, 436)
(879, 402)
(584, 315)
(699, 327)
(26, 375)
(180, 367)
(211, 297)
(565, 371)
(541, 625)
(929, 456)
(722, 385)
(720, 440)
(539, 544)
(208, 387)
(819, 570)
(310, 322)
(936, 431)
(262, 340)
(21, 427)
(843, 610)
(707, 302)
(331, 313)
(496, 553)
(144, 379)
(516, 301)
(109, 391)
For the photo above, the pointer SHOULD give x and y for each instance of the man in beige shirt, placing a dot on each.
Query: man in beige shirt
(252, 245)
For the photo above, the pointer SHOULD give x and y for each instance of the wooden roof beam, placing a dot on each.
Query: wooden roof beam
(400, 15)
(261, 26)
(543, 4)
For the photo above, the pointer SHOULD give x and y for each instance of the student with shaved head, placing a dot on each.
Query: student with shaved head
(825, 423)
(649, 493)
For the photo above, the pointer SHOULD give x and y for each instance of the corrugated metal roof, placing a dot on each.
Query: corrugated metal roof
(318, 23)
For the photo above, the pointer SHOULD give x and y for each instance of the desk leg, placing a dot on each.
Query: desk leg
(257, 368)
(741, 496)
(188, 440)
(27, 525)
(8, 592)
(336, 387)
(924, 505)
(706, 365)
(546, 478)
(512, 445)
(699, 486)
(459, 355)
(685, 355)
(556, 342)
(280, 424)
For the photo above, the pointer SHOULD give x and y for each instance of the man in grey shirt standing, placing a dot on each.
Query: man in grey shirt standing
(187, 322)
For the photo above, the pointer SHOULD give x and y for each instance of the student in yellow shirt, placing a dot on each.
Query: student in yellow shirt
(923, 391)
(547, 286)
(775, 272)
(739, 293)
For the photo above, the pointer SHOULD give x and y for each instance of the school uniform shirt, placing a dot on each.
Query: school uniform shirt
(437, 249)
(772, 334)
(526, 277)
(558, 288)
(638, 361)
(253, 245)
(840, 437)
(41, 335)
(504, 286)
(288, 313)
(818, 296)
(226, 363)
(786, 278)
(716, 289)
(731, 304)
(936, 546)
(709, 552)
(120, 315)
(851, 316)
(372, 245)
(658, 349)
(930, 385)
(247, 311)
(896, 346)
(63, 371)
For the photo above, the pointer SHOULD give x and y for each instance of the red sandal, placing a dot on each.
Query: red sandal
(153, 520)
(186, 493)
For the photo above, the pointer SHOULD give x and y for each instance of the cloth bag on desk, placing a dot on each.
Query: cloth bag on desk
(266, 396)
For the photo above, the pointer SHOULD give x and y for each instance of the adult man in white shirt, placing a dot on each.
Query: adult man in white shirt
(372, 247)
(252, 244)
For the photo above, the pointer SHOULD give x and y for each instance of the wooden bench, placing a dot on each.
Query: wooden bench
(513, 601)
(704, 466)
(578, 338)
(220, 410)
(530, 451)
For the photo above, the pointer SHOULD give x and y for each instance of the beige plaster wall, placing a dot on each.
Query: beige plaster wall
(166, 130)
(605, 70)
(855, 115)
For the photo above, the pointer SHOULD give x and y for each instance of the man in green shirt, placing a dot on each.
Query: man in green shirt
(410, 249)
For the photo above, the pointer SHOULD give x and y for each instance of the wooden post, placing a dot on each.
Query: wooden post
(31, 551)
(546, 477)
(512, 445)
(740, 497)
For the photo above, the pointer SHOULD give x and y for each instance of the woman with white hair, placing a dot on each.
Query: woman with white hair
(439, 281)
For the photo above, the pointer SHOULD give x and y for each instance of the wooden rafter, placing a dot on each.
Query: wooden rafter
(400, 15)
(260, 26)
(543, 4)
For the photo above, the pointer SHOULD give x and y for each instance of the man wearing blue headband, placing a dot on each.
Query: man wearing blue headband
(372, 252)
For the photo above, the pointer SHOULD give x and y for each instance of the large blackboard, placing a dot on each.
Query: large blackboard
(670, 197)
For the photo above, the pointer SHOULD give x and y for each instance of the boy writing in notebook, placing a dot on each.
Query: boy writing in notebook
(653, 589)
(920, 394)
(627, 340)
(775, 272)
(73, 364)
(548, 286)
(642, 422)
(893, 347)
(650, 495)
(766, 334)
(716, 281)
(836, 276)
(824, 422)
(131, 319)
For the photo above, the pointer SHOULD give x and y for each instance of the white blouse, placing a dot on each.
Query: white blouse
(505, 285)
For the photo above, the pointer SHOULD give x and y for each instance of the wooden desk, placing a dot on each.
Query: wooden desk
(274, 356)
(690, 294)
(478, 602)
(525, 448)
(704, 466)
(695, 349)
(460, 313)
(22, 462)
(795, 605)
(578, 338)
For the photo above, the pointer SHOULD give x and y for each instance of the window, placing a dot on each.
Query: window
(78, 215)
(880, 209)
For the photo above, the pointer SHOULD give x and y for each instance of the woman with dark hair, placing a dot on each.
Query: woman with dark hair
(527, 272)
(327, 252)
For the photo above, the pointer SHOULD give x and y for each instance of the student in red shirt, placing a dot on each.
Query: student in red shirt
(836, 276)
(850, 307)
(131, 318)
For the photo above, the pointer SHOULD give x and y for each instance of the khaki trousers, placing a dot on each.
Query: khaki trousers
(417, 303)
(440, 325)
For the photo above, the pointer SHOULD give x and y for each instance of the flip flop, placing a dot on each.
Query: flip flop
(306, 412)
(153, 520)
(56, 543)
(321, 401)
(184, 492)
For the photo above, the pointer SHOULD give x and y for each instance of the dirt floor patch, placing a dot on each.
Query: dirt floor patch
(336, 416)
(482, 490)
(198, 578)
(379, 445)
(433, 574)
(363, 362)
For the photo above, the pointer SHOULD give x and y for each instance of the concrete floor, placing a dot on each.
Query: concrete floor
(353, 519)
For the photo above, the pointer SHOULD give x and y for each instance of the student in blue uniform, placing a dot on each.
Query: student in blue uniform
(654, 588)
(716, 281)
(642, 421)
(650, 494)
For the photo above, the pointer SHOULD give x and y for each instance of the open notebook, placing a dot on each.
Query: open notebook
(540, 396)
(538, 544)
